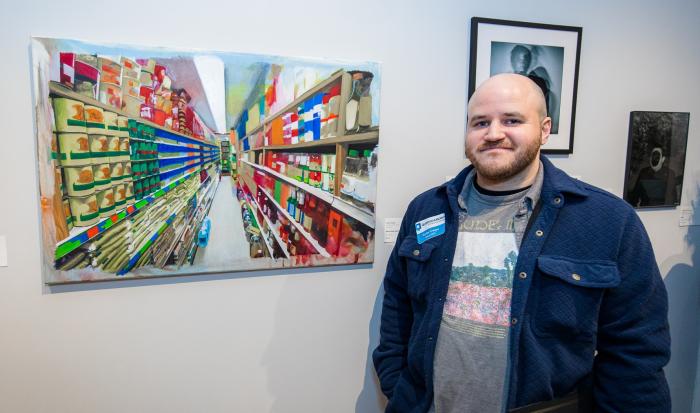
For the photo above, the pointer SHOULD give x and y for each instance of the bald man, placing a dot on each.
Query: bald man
(514, 284)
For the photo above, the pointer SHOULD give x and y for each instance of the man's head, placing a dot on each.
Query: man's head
(506, 125)
(520, 59)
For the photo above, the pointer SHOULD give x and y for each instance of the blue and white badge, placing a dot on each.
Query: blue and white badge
(430, 228)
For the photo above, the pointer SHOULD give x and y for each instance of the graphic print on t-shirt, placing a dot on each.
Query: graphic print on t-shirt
(479, 294)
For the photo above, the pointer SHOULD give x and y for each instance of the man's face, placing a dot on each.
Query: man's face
(504, 130)
(520, 59)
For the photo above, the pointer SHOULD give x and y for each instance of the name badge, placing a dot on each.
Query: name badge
(430, 228)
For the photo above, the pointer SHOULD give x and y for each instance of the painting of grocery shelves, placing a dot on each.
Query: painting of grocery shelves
(155, 162)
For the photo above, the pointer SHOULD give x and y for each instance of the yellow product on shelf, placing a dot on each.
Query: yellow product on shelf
(111, 95)
(147, 65)
(69, 115)
(129, 68)
(123, 149)
(110, 71)
(105, 202)
(123, 124)
(129, 193)
(117, 174)
(95, 120)
(102, 175)
(54, 147)
(111, 123)
(130, 87)
(68, 215)
(132, 106)
(79, 180)
(146, 78)
(84, 210)
(127, 172)
(99, 149)
(114, 148)
(74, 149)
(119, 195)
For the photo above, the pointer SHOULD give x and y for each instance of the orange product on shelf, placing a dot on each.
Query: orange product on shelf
(130, 87)
(110, 71)
(335, 225)
(130, 68)
(285, 191)
(276, 131)
(111, 95)
(159, 117)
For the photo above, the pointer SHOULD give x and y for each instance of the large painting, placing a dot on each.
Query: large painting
(156, 162)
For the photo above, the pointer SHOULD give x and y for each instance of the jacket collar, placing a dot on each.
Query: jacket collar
(556, 182)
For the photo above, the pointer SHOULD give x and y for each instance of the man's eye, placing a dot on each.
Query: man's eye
(512, 121)
(480, 124)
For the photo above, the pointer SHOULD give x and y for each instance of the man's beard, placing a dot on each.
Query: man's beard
(502, 172)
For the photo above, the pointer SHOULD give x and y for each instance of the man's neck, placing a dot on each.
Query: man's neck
(520, 180)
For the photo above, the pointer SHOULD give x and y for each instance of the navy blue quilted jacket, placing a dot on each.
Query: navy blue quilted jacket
(587, 281)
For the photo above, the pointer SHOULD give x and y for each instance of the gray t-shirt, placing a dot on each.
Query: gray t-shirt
(471, 357)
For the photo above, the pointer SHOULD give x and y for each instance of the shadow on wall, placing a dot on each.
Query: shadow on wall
(371, 398)
(683, 285)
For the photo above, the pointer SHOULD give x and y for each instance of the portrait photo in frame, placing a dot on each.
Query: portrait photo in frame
(548, 54)
(656, 158)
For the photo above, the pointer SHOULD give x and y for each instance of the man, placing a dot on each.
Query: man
(514, 284)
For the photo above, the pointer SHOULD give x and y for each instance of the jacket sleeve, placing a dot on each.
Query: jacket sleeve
(396, 321)
(633, 332)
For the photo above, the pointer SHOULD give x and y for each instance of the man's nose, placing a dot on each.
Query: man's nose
(495, 131)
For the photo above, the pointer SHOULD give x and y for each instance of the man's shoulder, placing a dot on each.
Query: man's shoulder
(602, 202)
(434, 198)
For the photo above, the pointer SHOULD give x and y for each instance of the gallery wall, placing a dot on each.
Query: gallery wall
(300, 341)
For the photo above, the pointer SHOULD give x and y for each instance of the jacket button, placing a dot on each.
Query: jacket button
(539, 233)
(430, 338)
(514, 321)
(557, 200)
(416, 252)
(576, 277)
(523, 275)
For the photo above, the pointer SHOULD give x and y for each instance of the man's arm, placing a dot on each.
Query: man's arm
(633, 333)
(396, 321)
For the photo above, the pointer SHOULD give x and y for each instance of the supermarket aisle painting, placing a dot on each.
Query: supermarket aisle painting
(155, 162)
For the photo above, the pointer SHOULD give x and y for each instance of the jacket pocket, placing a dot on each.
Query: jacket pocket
(569, 294)
(417, 258)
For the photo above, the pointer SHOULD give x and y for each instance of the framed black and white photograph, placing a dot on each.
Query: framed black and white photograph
(656, 158)
(547, 54)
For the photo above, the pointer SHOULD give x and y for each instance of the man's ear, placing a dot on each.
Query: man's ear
(546, 129)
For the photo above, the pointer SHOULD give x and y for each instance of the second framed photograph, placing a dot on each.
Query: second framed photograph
(547, 54)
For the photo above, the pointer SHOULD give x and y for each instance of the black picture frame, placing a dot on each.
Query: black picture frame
(552, 54)
(656, 152)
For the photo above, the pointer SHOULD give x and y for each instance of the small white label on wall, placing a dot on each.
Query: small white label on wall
(3, 251)
(391, 229)
(687, 217)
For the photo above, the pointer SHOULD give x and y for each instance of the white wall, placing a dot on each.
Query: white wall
(299, 342)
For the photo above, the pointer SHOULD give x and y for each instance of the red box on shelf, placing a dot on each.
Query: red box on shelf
(67, 61)
(335, 225)
(159, 117)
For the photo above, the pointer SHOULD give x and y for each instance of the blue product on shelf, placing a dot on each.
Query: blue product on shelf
(203, 235)
(318, 106)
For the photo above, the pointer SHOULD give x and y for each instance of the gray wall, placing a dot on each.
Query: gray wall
(299, 342)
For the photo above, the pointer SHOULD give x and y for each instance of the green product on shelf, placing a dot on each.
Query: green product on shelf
(133, 128)
(278, 191)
